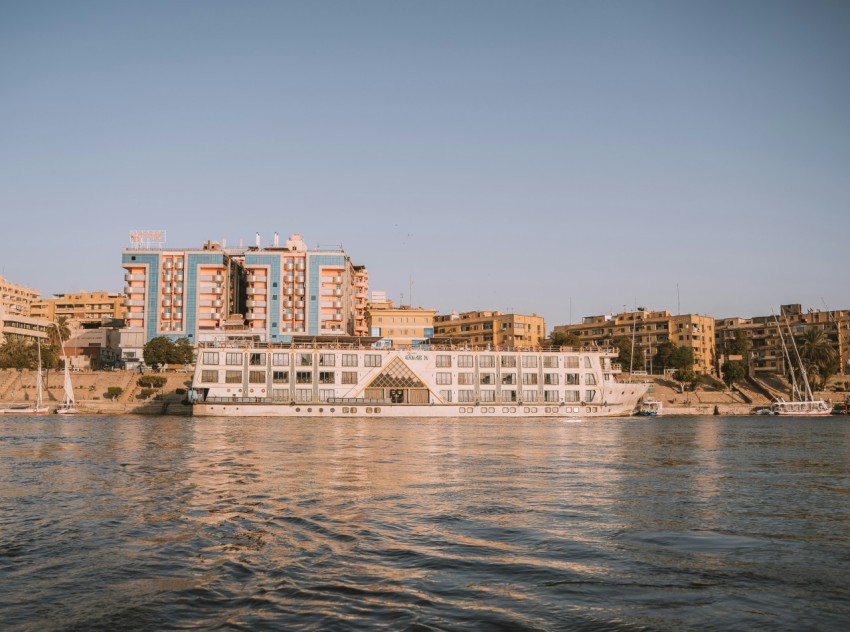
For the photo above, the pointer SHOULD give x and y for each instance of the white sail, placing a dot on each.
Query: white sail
(69, 388)
(38, 395)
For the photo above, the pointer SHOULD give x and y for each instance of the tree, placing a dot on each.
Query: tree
(686, 377)
(184, 352)
(664, 355)
(732, 371)
(625, 357)
(16, 353)
(682, 358)
(817, 354)
(60, 332)
(564, 339)
(158, 350)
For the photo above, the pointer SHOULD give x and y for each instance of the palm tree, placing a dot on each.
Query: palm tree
(817, 353)
(60, 332)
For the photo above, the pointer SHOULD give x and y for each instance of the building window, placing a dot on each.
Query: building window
(280, 359)
(233, 377)
(529, 378)
(487, 362)
(256, 377)
(234, 359)
(466, 396)
(487, 378)
(209, 376)
(326, 377)
(257, 359)
(571, 379)
(444, 378)
(444, 361)
(349, 377)
(210, 358)
(465, 378)
(280, 377)
(550, 378)
(327, 359)
(465, 361)
(372, 359)
(349, 359)
(304, 359)
(303, 377)
(529, 362)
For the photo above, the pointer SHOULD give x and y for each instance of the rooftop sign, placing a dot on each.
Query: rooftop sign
(147, 238)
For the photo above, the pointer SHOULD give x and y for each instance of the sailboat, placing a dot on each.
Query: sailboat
(68, 405)
(24, 409)
(809, 407)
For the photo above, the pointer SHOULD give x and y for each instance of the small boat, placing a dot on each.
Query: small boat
(68, 405)
(650, 408)
(806, 408)
(28, 409)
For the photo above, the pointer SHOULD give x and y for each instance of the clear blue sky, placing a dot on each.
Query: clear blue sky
(507, 155)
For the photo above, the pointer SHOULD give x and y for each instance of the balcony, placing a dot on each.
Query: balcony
(167, 276)
(134, 277)
(179, 264)
(178, 315)
(167, 301)
(217, 302)
(299, 303)
(166, 315)
(134, 303)
(218, 278)
(299, 291)
(215, 290)
(337, 293)
(255, 291)
(213, 315)
(289, 278)
(255, 303)
(257, 278)
(168, 264)
(256, 315)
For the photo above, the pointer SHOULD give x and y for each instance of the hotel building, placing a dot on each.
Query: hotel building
(649, 329)
(518, 331)
(16, 317)
(274, 292)
(399, 326)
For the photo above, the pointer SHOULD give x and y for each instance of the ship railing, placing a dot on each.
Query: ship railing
(255, 344)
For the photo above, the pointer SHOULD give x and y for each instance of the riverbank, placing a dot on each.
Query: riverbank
(91, 390)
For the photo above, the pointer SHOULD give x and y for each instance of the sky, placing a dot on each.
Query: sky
(563, 158)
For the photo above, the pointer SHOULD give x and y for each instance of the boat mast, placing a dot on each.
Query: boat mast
(794, 389)
(800, 360)
(38, 396)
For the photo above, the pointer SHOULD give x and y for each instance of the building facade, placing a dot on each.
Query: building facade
(399, 326)
(649, 329)
(16, 300)
(81, 308)
(277, 291)
(765, 345)
(519, 331)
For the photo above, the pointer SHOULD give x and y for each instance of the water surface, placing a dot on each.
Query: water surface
(621, 524)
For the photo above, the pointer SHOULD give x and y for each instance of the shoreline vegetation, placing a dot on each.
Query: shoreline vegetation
(119, 392)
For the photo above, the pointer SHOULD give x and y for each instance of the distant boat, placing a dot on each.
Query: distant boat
(25, 409)
(808, 407)
(68, 405)
(650, 408)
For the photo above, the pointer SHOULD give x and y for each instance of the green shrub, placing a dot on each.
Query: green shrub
(113, 392)
(180, 391)
(146, 392)
(152, 381)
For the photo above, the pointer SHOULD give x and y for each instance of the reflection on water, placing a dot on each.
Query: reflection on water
(144, 522)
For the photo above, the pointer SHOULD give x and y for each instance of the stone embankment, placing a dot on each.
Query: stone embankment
(91, 391)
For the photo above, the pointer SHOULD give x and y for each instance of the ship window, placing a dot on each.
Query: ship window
(588, 363)
(465, 378)
(550, 362)
(303, 377)
(233, 358)
(304, 359)
(487, 378)
(529, 378)
(487, 361)
(326, 377)
(325, 394)
(327, 359)
(257, 377)
(446, 395)
(349, 359)
(233, 377)
(508, 361)
(572, 362)
(550, 378)
(529, 362)
(590, 396)
(444, 378)
(590, 379)
(466, 396)
(209, 376)
(257, 359)
(571, 378)
(372, 359)
(508, 395)
(508, 378)
(529, 396)
(465, 361)
(444, 361)
(303, 394)
(550, 396)
(349, 377)
(280, 377)
(488, 395)
(210, 357)
(571, 396)
(280, 359)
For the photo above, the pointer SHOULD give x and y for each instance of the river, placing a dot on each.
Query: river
(724, 523)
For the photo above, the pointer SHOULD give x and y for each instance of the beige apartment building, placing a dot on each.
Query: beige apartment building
(399, 326)
(16, 317)
(649, 329)
(81, 308)
(17, 299)
(495, 329)
(762, 332)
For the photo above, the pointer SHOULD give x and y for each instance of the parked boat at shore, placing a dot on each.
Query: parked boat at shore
(235, 378)
(808, 407)
(650, 408)
(30, 409)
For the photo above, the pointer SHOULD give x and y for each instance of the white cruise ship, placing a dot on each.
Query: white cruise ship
(339, 380)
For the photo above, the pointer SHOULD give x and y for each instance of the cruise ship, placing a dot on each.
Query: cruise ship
(250, 379)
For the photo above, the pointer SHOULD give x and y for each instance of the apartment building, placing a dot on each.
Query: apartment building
(81, 308)
(648, 329)
(762, 332)
(17, 299)
(276, 291)
(490, 328)
(399, 326)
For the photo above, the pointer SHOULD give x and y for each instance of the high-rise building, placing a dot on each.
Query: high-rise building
(520, 331)
(648, 329)
(269, 293)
